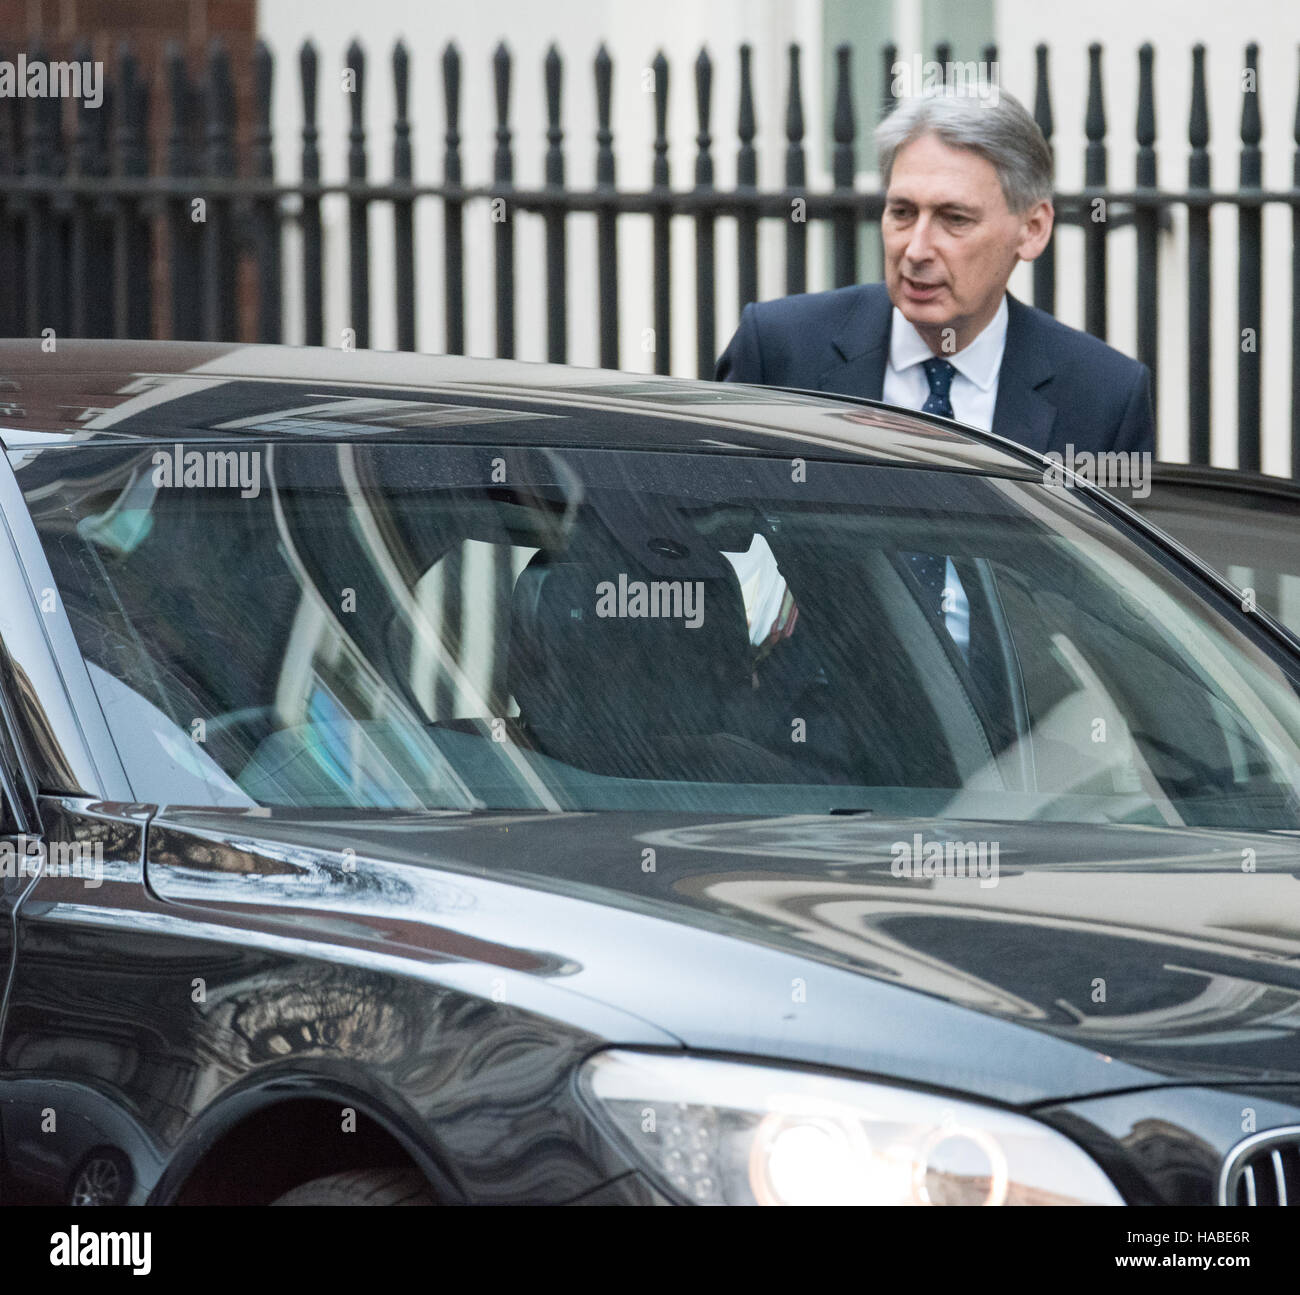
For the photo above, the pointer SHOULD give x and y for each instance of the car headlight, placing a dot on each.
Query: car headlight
(731, 1133)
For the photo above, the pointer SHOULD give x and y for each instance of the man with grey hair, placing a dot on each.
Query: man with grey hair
(968, 196)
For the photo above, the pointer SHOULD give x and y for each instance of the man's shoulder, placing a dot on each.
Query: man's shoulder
(801, 308)
(1070, 349)
(789, 341)
(1102, 397)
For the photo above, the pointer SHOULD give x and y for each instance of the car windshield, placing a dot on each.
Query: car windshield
(446, 627)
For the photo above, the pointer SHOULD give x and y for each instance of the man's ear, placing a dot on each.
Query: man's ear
(1035, 230)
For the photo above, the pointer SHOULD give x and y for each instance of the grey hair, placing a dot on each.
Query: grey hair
(997, 128)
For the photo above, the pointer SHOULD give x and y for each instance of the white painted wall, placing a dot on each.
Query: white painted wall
(633, 35)
(1173, 27)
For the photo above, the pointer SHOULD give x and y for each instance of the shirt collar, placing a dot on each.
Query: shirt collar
(979, 361)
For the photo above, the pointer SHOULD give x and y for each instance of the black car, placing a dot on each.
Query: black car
(435, 780)
(1244, 524)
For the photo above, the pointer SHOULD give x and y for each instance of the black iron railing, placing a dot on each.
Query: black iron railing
(83, 216)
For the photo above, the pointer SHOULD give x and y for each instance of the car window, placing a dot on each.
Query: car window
(455, 628)
(1250, 537)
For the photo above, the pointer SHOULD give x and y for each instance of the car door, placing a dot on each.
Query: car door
(1244, 524)
(16, 878)
(23, 858)
(19, 859)
(30, 724)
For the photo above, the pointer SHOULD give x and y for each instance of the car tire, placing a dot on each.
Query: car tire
(361, 1187)
(103, 1178)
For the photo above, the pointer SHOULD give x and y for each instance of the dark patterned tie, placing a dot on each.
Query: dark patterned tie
(939, 374)
(930, 568)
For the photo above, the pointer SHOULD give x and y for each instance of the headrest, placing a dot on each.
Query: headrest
(605, 651)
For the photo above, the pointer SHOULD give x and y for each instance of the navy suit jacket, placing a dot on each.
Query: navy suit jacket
(1057, 386)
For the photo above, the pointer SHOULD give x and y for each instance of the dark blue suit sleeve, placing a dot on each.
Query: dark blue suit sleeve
(1137, 427)
(742, 361)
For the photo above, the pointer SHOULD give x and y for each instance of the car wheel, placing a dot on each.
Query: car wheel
(361, 1187)
(103, 1179)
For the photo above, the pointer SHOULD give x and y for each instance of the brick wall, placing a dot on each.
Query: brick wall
(60, 26)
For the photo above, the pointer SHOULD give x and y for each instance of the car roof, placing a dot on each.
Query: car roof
(1200, 476)
(162, 392)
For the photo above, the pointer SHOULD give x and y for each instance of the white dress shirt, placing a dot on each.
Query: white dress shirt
(973, 395)
(975, 384)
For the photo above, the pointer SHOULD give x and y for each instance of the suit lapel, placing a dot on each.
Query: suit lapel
(1022, 413)
(861, 346)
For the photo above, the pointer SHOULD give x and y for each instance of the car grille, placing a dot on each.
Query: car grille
(1263, 1170)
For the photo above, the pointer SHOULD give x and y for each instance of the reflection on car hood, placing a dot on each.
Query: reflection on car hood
(1153, 953)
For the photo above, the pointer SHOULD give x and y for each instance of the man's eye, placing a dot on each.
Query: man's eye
(959, 221)
(898, 213)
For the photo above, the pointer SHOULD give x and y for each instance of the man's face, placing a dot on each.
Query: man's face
(951, 241)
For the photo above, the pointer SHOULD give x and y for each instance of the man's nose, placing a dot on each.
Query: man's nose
(919, 247)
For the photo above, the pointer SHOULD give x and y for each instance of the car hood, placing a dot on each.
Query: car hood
(1096, 957)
